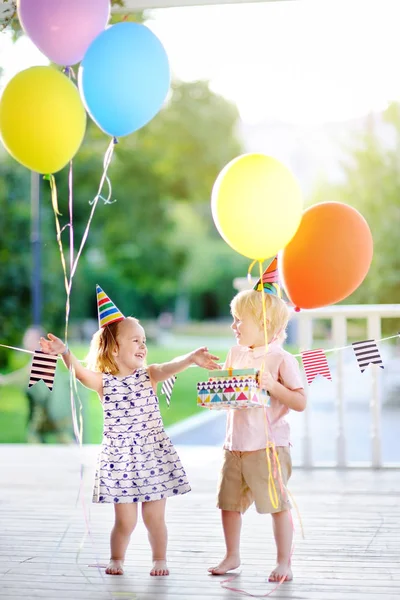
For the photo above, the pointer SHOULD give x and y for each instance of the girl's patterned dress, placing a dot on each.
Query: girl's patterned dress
(138, 462)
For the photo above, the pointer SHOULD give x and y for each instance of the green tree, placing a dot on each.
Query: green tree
(138, 245)
(14, 252)
(372, 186)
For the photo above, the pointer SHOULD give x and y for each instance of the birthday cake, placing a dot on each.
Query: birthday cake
(232, 388)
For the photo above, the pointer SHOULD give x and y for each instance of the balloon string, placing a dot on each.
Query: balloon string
(272, 493)
(264, 306)
(107, 160)
(71, 247)
(78, 430)
(77, 410)
(54, 203)
(77, 419)
(250, 270)
(244, 593)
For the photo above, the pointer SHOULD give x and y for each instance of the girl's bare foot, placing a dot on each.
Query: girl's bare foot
(115, 567)
(282, 570)
(227, 564)
(159, 568)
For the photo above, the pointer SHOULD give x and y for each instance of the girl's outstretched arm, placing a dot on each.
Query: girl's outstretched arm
(90, 379)
(200, 357)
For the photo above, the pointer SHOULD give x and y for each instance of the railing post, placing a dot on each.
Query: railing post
(339, 331)
(305, 333)
(375, 332)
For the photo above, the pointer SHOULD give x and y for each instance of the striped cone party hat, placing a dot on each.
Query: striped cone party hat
(108, 312)
(270, 280)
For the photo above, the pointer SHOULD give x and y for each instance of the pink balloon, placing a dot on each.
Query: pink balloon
(63, 29)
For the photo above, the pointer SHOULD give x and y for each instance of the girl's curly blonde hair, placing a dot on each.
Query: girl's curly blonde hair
(249, 302)
(100, 357)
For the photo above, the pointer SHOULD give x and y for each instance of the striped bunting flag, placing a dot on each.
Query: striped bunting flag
(167, 388)
(43, 367)
(366, 353)
(315, 363)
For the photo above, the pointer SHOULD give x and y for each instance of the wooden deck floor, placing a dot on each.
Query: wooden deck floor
(351, 549)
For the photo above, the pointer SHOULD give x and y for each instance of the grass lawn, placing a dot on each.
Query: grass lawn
(14, 405)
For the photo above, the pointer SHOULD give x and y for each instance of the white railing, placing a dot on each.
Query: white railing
(339, 315)
(373, 314)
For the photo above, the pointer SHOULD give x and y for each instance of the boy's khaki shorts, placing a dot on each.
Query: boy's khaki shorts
(244, 480)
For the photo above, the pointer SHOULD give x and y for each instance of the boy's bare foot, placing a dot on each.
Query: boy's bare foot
(159, 568)
(228, 564)
(281, 570)
(115, 567)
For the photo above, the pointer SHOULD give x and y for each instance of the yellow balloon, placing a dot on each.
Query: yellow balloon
(256, 205)
(42, 119)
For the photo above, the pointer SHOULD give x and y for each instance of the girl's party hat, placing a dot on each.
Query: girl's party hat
(270, 280)
(108, 312)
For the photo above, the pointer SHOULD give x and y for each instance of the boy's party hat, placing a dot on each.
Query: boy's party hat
(108, 312)
(270, 280)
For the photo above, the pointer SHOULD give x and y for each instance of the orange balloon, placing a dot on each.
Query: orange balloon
(329, 256)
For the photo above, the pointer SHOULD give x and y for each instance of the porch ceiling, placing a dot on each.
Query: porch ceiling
(136, 5)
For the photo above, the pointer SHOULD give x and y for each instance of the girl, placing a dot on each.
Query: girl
(249, 436)
(137, 463)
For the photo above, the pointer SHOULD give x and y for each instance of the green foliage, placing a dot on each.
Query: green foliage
(372, 186)
(14, 251)
(139, 245)
(155, 241)
(14, 404)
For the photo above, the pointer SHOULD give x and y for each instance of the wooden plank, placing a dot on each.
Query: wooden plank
(351, 521)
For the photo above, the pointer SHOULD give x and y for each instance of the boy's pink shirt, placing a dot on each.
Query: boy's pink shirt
(246, 428)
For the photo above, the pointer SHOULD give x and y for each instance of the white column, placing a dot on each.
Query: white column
(375, 332)
(339, 330)
(305, 333)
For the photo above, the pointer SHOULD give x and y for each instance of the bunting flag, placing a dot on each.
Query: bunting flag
(315, 363)
(366, 353)
(167, 388)
(43, 367)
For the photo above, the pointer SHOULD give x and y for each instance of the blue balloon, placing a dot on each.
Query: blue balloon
(124, 78)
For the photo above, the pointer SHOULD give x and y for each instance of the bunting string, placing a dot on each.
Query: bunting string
(390, 337)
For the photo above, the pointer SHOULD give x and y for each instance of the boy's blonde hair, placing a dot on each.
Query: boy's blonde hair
(100, 357)
(249, 303)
